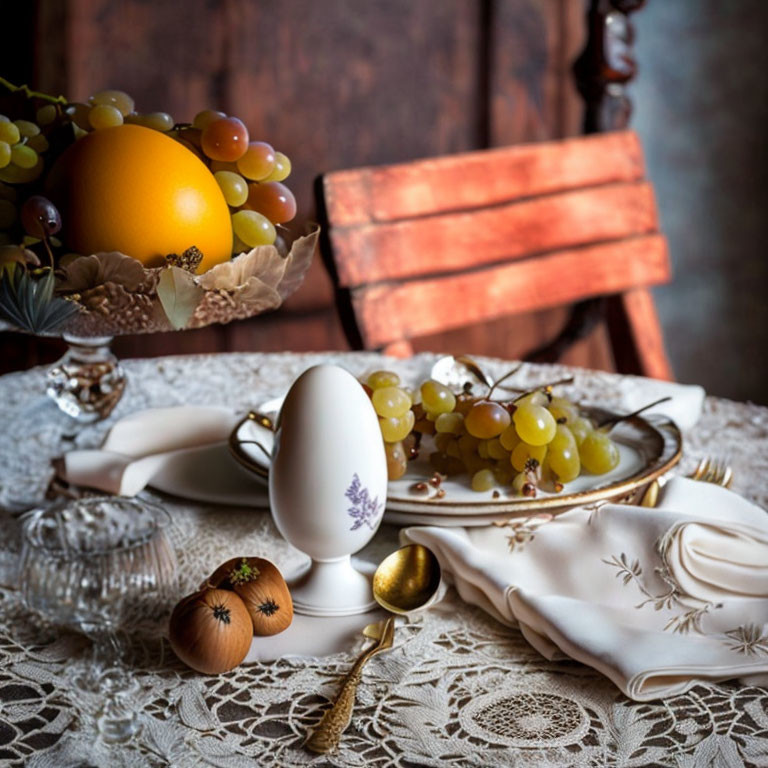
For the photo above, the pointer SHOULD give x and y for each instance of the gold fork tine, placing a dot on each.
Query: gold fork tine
(720, 474)
(650, 497)
(388, 635)
(726, 474)
(712, 473)
(701, 468)
(715, 471)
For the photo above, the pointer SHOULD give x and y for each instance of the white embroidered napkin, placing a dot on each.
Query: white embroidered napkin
(684, 408)
(655, 599)
(181, 450)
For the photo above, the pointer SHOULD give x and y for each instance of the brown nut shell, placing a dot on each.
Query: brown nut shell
(263, 590)
(211, 631)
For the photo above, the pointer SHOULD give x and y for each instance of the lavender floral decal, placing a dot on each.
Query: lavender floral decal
(364, 509)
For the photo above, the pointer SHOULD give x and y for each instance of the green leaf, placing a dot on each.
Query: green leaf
(179, 295)
(29, 303)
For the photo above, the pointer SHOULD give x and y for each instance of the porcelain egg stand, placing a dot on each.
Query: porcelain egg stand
(328, 487)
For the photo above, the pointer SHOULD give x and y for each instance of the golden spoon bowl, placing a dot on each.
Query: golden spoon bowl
(407, 579)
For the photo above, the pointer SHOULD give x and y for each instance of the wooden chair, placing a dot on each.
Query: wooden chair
(430, 245)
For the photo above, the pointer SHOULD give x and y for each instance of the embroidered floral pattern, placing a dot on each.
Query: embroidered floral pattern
(364, 509)
(748, 639)
(523, 531)
(690, 620)
(626, 571)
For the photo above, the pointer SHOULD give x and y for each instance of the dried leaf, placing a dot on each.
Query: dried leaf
(263, 262)
(473, 368)
(90, 271)
(179, 294)
(298, 262)
(248, 300)
(257, 296)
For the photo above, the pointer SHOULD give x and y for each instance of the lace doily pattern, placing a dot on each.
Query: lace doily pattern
(457, 690)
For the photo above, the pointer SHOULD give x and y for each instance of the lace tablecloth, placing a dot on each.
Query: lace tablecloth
(458, 690)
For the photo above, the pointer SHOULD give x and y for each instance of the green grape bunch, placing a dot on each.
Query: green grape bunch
(535, 440)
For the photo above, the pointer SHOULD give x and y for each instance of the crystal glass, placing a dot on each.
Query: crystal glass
(100, 565)
(87, 382)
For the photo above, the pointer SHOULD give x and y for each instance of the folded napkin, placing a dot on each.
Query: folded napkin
(182, 450)
(684, 408)
(655, 599)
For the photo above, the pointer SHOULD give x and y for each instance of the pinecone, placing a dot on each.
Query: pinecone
(139, 315)
(215, 307)
(127, 312)
(97, 299)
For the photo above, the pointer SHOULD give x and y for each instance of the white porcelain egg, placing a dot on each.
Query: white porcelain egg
(328, 486)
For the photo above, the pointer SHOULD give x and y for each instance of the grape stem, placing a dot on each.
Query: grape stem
(30, 94)
(507, 375)
(615, 419)
(48, 250)
(547, 385)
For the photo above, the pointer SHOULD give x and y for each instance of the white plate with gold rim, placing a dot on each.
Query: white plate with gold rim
(648, 448)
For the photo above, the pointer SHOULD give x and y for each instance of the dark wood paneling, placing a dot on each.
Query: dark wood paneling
(334, 84)
(532, 93)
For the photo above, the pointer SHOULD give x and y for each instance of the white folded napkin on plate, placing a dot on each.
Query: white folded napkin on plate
(684, 408)
(655, 599)
(181, 450)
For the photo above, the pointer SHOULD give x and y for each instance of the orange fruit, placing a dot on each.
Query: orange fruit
(134, 190)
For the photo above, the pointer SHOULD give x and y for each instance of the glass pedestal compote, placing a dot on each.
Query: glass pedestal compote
(109, 294)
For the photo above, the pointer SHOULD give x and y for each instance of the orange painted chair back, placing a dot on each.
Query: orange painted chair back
(430, 245)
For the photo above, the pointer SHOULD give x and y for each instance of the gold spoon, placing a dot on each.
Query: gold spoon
(407, 579)
(325, 738)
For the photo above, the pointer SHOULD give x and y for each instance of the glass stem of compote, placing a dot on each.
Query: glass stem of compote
(88, 381)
